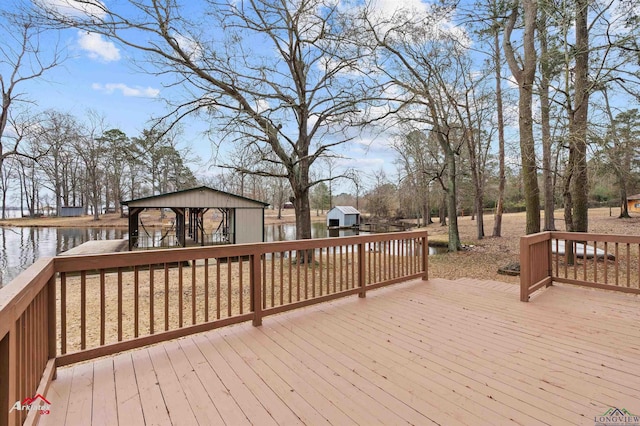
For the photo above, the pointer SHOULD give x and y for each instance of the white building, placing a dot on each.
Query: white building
(343, 217)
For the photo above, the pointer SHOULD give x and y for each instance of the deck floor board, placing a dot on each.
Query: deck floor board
(461, 352)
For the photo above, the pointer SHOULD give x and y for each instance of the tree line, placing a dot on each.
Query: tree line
(90, 165)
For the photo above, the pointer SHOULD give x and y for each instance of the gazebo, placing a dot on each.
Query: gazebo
(241, 218)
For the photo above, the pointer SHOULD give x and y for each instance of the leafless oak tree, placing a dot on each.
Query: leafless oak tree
(277, 75)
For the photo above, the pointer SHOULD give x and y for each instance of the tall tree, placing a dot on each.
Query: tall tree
(55, 141)
(279, 75)
(117, 144)
(545, 118)
(524, 73)
(418, 55)
(620, 148)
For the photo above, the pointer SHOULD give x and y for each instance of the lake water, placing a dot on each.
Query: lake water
(20, 247)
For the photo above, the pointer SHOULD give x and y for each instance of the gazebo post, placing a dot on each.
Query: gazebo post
(133, 227)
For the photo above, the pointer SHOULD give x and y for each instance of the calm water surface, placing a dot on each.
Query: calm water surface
(20, 247)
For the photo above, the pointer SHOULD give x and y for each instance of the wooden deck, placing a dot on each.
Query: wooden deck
(436, 352)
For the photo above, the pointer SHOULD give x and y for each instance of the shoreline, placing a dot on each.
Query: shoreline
(113, 220)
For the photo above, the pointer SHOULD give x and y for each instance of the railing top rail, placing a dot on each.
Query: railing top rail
(137, 258)
(18, 294)
(587, 236)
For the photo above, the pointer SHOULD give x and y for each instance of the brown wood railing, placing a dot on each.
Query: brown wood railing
(610, 262)
(27, 339)
(74, 308)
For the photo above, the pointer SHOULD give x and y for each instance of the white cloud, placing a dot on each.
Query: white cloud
(74, 8)
(388, 8)
(97, 47)
(262, 105)
(137, 91)
(190, 46)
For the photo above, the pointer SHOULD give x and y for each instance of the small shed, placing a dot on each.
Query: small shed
(241, 219)
(343, 217)
(633, 203)
(71, 211)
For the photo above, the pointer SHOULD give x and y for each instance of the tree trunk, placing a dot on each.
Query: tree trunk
(525, 79)
(578, 128)
(442, 211)
(547, 178)
(497, 224)
(452, 207)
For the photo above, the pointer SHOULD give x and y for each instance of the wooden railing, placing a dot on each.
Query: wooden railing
(603, 261)
(27, 339)
(74, 308)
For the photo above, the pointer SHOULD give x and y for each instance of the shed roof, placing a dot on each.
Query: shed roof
(634, 197)
(347, 209)
(201, 196)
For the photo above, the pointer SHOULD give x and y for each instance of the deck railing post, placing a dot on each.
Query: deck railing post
(361, 271)
(256, 289)
(525, 269)
(425, 257)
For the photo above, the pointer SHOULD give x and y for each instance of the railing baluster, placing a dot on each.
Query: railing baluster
(273, 280)
(119, 304)
(606, 263)
(166, 296)
(218, 288)
(333, 268)
(306, 274)
(595, 261)
(151, 298)
(617, 266)
(340, 263)
(135, 301)
(290, 253)
(264, 279)
(628, 265)
(229, 289)
(194, 292)
(281, 279)
(240, 290)
(320, 266)
(313, 274)
(584, 261)
(206, 289)
(328, 270)
(180, 301)
(83, 310)
(63, 313)
(298, 261)
(102, 308)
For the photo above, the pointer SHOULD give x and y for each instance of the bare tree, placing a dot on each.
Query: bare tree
(22, 59)
(418, 57)
(421, 164)
(55, 140)
(280, 75)
(92, 148)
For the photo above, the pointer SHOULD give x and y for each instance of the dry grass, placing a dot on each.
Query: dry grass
(484, 257)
